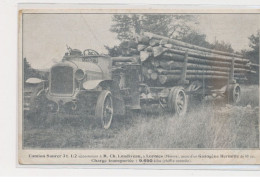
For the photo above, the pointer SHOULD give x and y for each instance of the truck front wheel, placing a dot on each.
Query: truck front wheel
(104, 109)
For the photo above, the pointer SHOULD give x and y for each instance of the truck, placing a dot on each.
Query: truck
(86, 83)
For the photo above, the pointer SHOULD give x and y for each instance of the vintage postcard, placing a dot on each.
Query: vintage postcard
(133, 86)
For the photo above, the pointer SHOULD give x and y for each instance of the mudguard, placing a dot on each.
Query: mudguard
(91, 84)
(34, 81)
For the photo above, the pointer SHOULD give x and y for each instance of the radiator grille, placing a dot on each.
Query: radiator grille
(62, 80)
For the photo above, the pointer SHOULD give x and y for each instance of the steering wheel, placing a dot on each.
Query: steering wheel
(90, 52)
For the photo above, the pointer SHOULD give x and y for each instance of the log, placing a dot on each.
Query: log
(175, 65)
(154, 42)
(155, 63)
(254, 65)
(196, 72)
(163, 71)
(141, 47)
(144, 55)
(239, 75)
(168, 46)
(249, 71)
(180, 58)
(149, 49)
(143, 39)
(132, 44)
(133, 51)
(187, 45)
(170, 78)
(207, 67)
(209, 73)
(154, 76)
(200, 54)
(159, 51)
(149, 71)
(163, 41)
(171, 65)
(125, 59)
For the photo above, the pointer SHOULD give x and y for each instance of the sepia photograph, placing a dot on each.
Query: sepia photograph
(139, 81)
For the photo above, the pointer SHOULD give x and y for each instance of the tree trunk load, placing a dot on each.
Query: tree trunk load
(165, 60)
(187, 45)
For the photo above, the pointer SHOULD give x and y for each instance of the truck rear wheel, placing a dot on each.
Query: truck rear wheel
(104, 109)
(177, 101)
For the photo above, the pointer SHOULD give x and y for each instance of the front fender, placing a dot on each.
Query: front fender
(91, 84)
(34, 81)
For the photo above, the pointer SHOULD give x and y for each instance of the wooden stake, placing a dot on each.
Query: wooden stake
(184, 70)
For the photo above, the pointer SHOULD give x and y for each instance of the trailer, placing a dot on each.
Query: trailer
(168, 72)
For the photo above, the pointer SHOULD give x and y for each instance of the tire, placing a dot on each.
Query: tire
(104, 109)
(233, 94)
(177, 101)
(195, 96)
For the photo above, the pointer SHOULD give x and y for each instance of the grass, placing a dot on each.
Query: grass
(249, 95)
(210, 124)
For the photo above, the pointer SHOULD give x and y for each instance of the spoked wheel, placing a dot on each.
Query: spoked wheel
(104, 109)
(177, 101)
(196, 94)
(234, 93)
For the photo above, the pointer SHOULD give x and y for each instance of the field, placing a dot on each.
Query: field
(209, 124)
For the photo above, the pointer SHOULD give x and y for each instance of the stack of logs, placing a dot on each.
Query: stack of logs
(166, 60)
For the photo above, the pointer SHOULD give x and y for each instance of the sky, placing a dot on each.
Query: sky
(231, 28)
(45, 36)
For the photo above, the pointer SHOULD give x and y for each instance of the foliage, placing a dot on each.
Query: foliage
(197, 39)
(114, 51)
(177, 26)
(31, 72)
(28, 71)
(253, 54)
(117, 50)
(222, 46)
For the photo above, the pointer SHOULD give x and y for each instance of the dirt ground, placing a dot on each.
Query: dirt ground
(209, 124)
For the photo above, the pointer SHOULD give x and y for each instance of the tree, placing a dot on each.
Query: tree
(31, 72)
(181, 27)
(174, 26)
(197, 39)
(222, 46)
(28, 71)
(253, 54)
